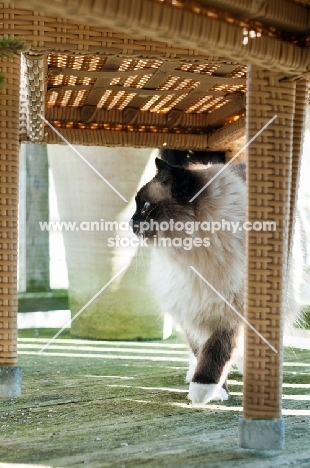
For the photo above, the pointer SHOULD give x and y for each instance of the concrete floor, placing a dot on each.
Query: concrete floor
(123, 405)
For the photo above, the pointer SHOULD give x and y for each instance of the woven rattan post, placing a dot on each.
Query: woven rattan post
(269, 181)
(10, 373)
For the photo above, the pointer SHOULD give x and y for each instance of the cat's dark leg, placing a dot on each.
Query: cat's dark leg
(213, 364)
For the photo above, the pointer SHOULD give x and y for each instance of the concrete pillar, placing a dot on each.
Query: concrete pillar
(37, 210)
(125, 309)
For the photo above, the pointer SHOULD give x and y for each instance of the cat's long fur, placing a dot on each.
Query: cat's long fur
(213, 329)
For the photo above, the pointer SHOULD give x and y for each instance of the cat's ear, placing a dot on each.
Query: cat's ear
(162, 165)
(183, 182)
(164, 170)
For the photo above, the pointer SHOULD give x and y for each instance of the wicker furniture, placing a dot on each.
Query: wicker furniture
(171, 73)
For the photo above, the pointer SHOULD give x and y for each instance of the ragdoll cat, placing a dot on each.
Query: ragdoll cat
(213, 330)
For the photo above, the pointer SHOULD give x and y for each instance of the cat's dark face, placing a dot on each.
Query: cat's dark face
(167, 196)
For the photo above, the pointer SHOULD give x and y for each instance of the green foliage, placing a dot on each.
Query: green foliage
(9, 47)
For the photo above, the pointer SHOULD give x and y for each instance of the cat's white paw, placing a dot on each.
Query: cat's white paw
(191, 369)
(203, 393)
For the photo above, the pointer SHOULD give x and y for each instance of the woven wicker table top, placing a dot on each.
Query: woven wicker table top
(179, 99)
(111, 85)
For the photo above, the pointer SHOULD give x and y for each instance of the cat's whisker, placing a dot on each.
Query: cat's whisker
(151, 212)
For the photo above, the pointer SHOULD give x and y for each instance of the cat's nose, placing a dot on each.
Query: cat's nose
(135, 226)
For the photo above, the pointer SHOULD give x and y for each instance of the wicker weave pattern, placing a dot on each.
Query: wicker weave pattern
(35, 85)
(50, 32)
(222, 137)
(236, 146)
(269, 177)
(9, 155)
(184, 100)
(23, 102)
(184, 27)
(125, 138)
(285, 15)
(100, 86)
(131, 116)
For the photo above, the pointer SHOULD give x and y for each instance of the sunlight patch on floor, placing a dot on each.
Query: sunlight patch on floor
(106, 356)
(19, 465)
(137, 344)
(163, 389)
(104, 349)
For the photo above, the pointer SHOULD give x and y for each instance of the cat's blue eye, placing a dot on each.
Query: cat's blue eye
(146, 207)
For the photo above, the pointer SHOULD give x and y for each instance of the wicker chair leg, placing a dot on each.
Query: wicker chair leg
(269, 181)
(10, 373)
